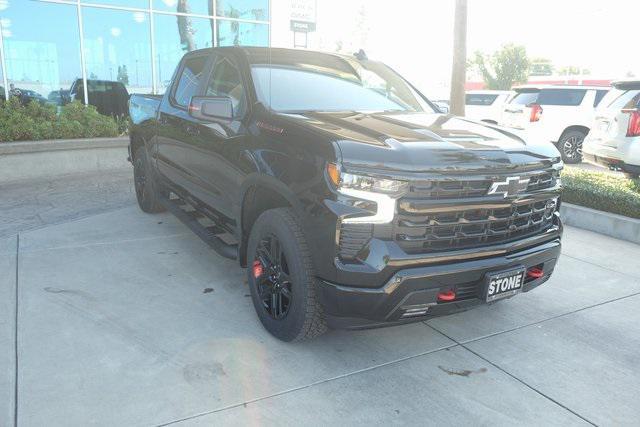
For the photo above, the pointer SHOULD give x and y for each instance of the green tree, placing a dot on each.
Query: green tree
(504, 68)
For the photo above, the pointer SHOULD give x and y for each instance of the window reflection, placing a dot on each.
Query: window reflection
(234, 33)
(140, 4)
(198, 7)
(117, 47)
(42, 60)
(257, 10)
(174, 36)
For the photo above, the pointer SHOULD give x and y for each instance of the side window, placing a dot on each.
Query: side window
(599, 95)
(226, 81)
(568, 97)
(189, 80)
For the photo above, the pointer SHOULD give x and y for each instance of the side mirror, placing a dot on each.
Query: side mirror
(208, 108)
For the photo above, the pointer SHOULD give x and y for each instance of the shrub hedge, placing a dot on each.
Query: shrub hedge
(36, 121)
(602, 191)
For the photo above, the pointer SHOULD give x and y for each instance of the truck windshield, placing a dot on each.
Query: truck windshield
(339, 85)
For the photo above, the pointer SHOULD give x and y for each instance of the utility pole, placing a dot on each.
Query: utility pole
(458, 70)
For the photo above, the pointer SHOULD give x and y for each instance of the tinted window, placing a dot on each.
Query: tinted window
(308, 81)
(524, 98)
(189, 80)
(599, 95)
(479, 99)
(570, 97)
(226, 81)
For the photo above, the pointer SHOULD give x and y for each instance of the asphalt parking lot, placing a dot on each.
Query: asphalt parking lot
(123, 318)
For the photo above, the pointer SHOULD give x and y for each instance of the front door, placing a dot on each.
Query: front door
(214, 156)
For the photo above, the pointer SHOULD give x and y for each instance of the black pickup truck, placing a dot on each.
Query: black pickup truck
(352, 201)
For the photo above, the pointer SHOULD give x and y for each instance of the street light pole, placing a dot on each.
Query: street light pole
(458, 70)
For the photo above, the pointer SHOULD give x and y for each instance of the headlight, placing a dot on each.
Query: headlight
(382, 191)
(344, 181)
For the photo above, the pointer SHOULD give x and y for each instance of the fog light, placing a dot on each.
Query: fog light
(446, 296)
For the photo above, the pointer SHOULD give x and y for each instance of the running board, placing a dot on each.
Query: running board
(210, 234)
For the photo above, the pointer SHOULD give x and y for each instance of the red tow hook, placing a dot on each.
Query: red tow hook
(535, 273)
(258, 270)
(446, 296)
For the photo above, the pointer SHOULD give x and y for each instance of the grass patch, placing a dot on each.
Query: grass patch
(602, 191)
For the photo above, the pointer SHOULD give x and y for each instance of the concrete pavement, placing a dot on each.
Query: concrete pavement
(128, 319)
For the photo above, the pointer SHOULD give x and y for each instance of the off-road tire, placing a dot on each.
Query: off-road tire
(146, 187)
(304, 319)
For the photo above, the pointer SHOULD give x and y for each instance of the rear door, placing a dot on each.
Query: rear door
(517, 112)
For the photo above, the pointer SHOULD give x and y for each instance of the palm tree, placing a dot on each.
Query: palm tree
(458, 70)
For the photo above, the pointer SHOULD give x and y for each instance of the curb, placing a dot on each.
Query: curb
(609, 224)
(51, 158)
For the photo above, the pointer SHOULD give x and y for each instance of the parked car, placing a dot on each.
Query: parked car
(27, 96)
(350, 199)
(558, 114)
(486, 105)
(614, 140)
(59, 97)
(110, 98)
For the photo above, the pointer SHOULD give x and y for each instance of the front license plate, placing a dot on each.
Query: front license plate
(504, 283)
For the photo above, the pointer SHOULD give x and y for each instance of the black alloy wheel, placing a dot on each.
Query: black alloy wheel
(273, 279)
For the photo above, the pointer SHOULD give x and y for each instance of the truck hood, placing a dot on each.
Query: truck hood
(426, 142)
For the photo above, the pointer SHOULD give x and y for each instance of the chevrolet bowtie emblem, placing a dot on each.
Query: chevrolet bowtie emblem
(509, 187)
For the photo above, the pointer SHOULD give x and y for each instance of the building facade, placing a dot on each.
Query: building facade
(48, 45)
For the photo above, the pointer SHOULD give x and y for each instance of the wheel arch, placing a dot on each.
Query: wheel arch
(580, 128)
(260, 193)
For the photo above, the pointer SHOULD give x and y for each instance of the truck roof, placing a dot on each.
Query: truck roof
(263, 55)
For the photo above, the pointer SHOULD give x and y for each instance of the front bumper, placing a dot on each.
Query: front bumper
(411, 290)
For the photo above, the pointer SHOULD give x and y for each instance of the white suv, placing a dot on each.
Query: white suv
(559, 114)
(614, 140)
(486, 105)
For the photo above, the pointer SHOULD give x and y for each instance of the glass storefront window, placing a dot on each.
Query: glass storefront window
(42, 60)
(234, 33)
(117, 48)
(197, 7)
(139, 4)
(256, 10)
(174, 36)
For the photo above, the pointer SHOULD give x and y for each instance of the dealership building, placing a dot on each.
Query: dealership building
(47, 45)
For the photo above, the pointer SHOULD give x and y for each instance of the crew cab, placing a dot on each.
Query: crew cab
(559, 114)
(350, 199)
(614, 140)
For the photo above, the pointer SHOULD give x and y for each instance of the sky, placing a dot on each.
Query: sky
(416, 36)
